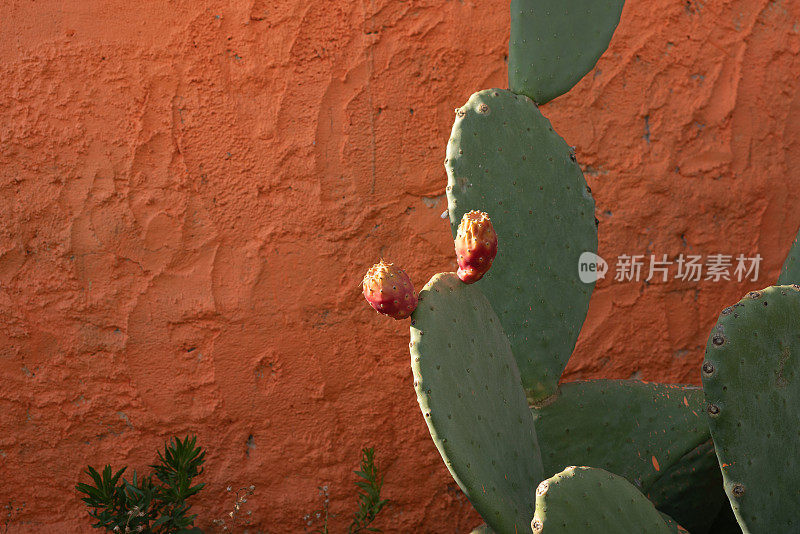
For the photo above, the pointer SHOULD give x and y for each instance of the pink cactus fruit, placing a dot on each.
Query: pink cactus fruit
(476, 246)
(389, 290)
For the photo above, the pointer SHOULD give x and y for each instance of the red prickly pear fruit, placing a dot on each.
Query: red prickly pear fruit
(476, 246)
(389, 290)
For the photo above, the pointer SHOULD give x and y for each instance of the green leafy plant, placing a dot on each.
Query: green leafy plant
(369, 499)
(144, 504)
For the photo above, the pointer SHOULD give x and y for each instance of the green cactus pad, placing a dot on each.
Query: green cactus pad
(673, 525)
(482, 529)
(587, 499)
(752, 386)
(555, 43)
(504, 158)
(790, 273)
(635, 429)
(468, 388)
(691, 490)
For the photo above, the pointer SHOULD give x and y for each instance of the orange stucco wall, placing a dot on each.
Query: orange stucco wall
(190, 192)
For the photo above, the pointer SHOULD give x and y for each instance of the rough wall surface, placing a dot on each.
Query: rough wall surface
(190, 192)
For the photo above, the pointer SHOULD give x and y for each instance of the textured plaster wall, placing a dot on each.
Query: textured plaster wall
(190, 192)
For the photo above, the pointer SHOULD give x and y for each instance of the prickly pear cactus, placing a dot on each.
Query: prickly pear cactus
(389, 290)
(673, 525)
(690, 490)
(476, 246)
(586, 499)
(752, 387)
(633, 429)
(554, 43)
(504, 158)
(468, 388)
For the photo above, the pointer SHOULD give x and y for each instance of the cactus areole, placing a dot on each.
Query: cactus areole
(476, 246)
(389, 290)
